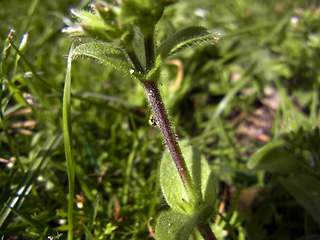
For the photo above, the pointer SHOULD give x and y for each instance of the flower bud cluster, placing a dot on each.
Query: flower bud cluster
(116, 22)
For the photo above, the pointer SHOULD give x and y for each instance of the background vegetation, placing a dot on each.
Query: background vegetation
(259, 86)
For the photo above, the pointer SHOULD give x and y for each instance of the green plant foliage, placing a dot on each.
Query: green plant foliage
(91, 24)
(177, 225)
(199, 187)
(101, 23)
(293, 158)
(202, 178)
(274, 157)
(172, 225)
(179, 40)
(144, 13)
(38, 163)
(183, 38)
(306, 189)
(106, 54)
(249, 103)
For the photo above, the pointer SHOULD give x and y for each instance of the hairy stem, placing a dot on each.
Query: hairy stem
(158, 108)
(161, 115)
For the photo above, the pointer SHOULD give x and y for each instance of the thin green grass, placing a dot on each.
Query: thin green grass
(67, 132)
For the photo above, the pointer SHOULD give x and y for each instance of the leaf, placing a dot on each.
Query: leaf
(106, 54)
(88, 18)
(172, 225)
(179, 40)
(306, 190)
(175, 225)
(185, 37)
(201, 175)
(273, 157)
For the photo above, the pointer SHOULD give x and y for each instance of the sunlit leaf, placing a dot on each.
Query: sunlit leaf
(179, 40)
(106, 54)
(201, 174)
(173, 226)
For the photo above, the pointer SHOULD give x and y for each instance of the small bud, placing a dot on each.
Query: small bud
(75, 13)
(23, 42)
(75, 31)
(7, 44)
(107, 13)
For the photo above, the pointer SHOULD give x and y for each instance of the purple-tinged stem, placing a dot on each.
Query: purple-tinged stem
(161, 115)
(159, 111)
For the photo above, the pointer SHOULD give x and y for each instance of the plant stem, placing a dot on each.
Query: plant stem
(206, 232)
(149, 50)
(161, 115)
(159, 111)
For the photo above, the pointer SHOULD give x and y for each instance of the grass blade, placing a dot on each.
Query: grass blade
(24, 187)
(68, 142)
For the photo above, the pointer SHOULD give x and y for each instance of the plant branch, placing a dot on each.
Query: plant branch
(161, 115)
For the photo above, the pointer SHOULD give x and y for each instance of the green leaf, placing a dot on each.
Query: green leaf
(185, 37)
(90, 25)
(106, 54)
(201, 175)
(273, 157)
(174, 226)
(306, 189)
(179, 40)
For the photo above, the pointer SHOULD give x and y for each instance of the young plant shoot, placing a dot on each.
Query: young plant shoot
(122, 35)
